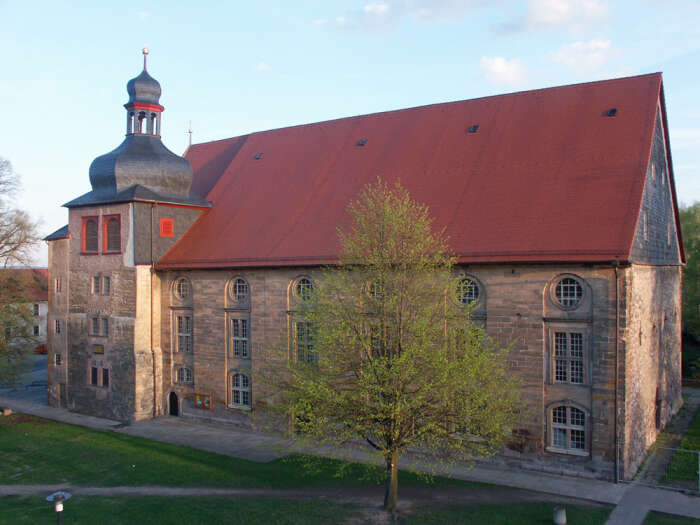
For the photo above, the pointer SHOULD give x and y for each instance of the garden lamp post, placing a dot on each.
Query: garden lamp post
(57, 498)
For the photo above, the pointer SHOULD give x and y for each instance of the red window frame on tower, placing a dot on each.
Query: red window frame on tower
(167, 227)
(105, 233)
(83, 235)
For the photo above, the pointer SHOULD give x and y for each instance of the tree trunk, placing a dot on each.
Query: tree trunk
(392, 483)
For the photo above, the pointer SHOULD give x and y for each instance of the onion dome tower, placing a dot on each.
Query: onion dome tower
(141, 168)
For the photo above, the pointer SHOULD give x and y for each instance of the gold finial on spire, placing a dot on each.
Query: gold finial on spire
(145, 57)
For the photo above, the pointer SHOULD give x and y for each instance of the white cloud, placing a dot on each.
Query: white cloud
(500, 70)
(142, 15)
(557, 12)
(570, 15)
(262, 66)
(585, 57)
(388, 14)
(376, 9)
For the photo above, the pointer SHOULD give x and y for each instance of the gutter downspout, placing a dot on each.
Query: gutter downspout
(153, 353)
(616, 264)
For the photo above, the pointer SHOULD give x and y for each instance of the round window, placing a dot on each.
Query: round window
(304, 288)
(240, 290)
(467, 291)
(568, 292)
(182, 288)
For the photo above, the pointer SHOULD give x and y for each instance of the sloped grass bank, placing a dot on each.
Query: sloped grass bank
(39, 451)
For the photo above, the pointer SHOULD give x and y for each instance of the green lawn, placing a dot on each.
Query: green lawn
(512, 514)
(658, 518)
(83, 510)
(684, 465)
(211, 511)
(34, 450)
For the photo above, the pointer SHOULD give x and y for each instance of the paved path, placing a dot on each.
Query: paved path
(633, 502)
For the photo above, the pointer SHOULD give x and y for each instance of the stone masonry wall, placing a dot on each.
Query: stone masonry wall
(113, 351)
(57, 367)
(517, 307)
(652, 357)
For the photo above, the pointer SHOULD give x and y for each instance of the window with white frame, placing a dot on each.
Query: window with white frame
(182, 289)
(106, 285)
(239, 290)
(569, 357)
(240, 335)
(183, 326)
(467, 291)
(304, 345)
(240, 390)
(568, 428)
(95, 288)
(568, 292)
(304, 288)
(36, 309)
(184, 375)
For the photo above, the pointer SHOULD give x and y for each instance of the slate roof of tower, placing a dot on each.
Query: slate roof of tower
(547, 177)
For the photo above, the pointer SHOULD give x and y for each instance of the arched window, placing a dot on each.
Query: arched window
(467, 291)
(568, 428)
(184, 375)
(239, 290)
(240, 390)
(303, 289)
(182, 288)
(90, 232)
(113, 235)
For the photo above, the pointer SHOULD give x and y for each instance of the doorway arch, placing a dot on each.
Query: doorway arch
(174, 405)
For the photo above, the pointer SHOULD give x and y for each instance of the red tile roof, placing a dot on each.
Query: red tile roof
(547, 177)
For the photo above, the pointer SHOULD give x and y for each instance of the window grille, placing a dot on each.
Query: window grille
(568, 428)
(90, 241)
(568, 292)
(304, 342)
(467, 291)
(568, 357)
(184, 333)
(239, 331)
(240, 390)
(304, 289)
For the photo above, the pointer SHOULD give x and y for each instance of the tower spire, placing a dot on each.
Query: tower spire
(145, 57)
(190, 132)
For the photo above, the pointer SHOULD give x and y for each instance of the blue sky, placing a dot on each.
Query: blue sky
(237, 67)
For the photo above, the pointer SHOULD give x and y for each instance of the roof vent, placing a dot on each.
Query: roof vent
(612, 112)
(473, 129)
(362, 142)
(258, 156)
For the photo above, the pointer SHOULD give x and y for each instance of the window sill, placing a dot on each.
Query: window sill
(89, 253)
(111, 252)
(244, 408)
(568, 451)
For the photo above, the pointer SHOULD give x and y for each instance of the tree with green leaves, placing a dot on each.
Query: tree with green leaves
(395, 359)
(690, 227)
(18, 235)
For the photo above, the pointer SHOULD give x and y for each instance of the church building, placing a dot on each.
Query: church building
(175, 274)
